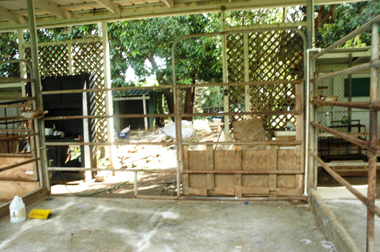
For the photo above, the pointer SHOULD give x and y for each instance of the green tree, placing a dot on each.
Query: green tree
(145, 45)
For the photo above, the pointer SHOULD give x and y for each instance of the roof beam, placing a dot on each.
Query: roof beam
(52, 8)
(169, 3)
(108, 5)
(5, 14)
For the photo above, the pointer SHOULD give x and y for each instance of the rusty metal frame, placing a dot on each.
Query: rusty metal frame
(373, 107)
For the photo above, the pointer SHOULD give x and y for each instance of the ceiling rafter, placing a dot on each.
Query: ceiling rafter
(108, 5)
(52, 8)
(169, 3)
(5, 14)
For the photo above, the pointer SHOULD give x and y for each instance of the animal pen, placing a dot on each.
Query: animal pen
(268, 76)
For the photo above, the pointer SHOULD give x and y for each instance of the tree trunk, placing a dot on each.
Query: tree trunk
(170, 100)
(189, 102)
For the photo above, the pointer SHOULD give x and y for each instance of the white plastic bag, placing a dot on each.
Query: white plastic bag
(187, 129)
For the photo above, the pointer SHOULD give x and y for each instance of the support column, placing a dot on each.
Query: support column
(246, 73)
(144, 109)
(107, 84)
(311, 133)
(370, 242)
(36, 89)
(225, 79)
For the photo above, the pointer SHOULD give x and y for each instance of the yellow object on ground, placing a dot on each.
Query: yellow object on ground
(39, 213)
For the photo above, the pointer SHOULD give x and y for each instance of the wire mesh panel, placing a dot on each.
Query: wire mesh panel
(333, 87)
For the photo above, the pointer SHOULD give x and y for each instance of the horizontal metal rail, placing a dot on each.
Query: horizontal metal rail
(97, 90)
(345, 136)
(106, 116)
(4, 139)
(15, 105)
(332, 164)
(349, 36)
(107, 144)
(11, 118)
(113, 170)
(14, 79)
(239, 172)
(359, 105)
(15, 130)
(348, 71)
(17, 98)
(279, 143)
(344, 182)
(270, 198)
(19, 164)
(294, 112)
(248, 83)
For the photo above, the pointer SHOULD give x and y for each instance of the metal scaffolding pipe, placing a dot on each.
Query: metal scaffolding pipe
(349, 36)
(106, 116)
(342, 181)
(347, 71)
(359, 105)
(278, 143)
(239, 172)
(245, 83)
(72, 91)
(345, 136)
(105, 144)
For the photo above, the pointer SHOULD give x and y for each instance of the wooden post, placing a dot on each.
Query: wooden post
(273, 167)
(144, 108)
(70, 57)
(210, 166)
(185, 177)
(107, 84)
(225, 79)
(238, 177)
(246, 73)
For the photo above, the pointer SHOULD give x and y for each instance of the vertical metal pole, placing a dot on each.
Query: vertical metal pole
(107, 84)
(372, 141)
(23, 74)
(177, 118)
(225, 78)
(42, 164)
(350, 100)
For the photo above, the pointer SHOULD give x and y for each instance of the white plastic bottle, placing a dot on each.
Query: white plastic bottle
(17, 210)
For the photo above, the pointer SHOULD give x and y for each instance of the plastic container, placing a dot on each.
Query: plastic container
(17, 210)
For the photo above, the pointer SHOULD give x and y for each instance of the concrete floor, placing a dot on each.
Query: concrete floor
(99, 224)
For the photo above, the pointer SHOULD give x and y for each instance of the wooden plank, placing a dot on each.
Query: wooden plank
(256, 181)
(299, 184)
(198, 191)
(197, 161)
(185, 177)
(238, 177)
(255, 159)
(185, 184)
(9, 189)
(25, 171)
(273, 167)
(210, 166)
(287, 160)
(227, 160)
(255, 190)
(286, 192)
(286, 181)
(222, 191)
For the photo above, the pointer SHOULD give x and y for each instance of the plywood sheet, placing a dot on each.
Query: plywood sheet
(286, 181)
(224, 180)
(256, 160)
(25, 171)
(288, 159)
(198, 180)
(255, 180)
(9, 189)
(227, 160)
(197, 160)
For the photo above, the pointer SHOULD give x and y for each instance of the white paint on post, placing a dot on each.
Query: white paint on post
(144, 108)
(107, 84)
(225, 80)
(246, 73)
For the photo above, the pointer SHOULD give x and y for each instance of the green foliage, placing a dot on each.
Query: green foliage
(9, 51)
(345, 19)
